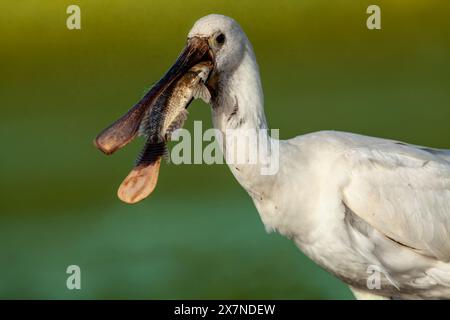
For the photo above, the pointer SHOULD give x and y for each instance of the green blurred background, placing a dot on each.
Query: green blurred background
(198, 235)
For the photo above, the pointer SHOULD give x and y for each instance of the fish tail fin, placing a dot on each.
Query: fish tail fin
(151, 152)
(166, 154)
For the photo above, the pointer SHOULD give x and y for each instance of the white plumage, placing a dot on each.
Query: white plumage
(350, 202)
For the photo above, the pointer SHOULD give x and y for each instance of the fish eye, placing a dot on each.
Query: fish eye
(220, 39)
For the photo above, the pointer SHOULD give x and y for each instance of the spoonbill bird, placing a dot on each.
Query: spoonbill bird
(358, 206)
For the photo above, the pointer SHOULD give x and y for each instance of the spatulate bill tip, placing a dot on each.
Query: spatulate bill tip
(139, 183)
(109, 141)
(105, 148)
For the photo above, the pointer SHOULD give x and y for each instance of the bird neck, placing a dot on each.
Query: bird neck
(238, 114)
(240, 100)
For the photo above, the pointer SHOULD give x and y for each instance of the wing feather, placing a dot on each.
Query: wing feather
(404, 192)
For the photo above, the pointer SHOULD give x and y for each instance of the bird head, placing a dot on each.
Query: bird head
(224, 38)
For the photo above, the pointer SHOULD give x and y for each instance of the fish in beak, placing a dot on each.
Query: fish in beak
(125, 129)
(160, 112)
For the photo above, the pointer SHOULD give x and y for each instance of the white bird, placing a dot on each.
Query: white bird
(354, 204)
(373, 212)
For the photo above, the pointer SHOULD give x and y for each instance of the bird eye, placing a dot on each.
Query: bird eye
(220, 39)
